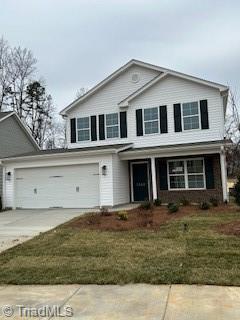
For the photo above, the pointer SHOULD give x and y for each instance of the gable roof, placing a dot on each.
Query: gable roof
(5, 115)
(220, 87)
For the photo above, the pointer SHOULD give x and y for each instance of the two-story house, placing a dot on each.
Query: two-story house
(14, 138)
(144, 132)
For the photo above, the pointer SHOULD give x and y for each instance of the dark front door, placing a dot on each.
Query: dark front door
(140, 181)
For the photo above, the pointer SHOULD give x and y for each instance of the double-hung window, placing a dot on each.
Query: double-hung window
(112, 125)
(186, 174)
(83, 129)
(151, 121)
(190, 115)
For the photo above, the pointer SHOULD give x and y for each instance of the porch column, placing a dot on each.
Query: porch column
(154, 179)
(223, 174)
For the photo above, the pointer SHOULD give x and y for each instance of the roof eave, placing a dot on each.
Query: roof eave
(67, 154)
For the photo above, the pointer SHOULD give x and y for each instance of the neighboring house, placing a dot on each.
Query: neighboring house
(145, 132)
(14, 138)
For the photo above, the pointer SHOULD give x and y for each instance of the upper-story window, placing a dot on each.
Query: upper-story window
(151, 120)
(186, 174)
(112, 125)
(190, 115)
(83, 129)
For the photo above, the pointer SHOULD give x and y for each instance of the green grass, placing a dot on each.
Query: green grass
(168, 255)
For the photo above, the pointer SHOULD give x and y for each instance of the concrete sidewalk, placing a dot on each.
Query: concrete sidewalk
(150, 302)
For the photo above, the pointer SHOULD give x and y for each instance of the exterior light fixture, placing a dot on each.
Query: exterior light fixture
(104, 170)
(8, 176)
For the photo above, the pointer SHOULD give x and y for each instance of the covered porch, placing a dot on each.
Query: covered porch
(196, 172)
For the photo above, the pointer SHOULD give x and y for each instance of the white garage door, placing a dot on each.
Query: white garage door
(65, 186)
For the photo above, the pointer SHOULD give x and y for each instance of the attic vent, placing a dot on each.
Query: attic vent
(135, 78)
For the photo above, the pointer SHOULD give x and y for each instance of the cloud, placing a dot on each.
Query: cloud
(79, 42)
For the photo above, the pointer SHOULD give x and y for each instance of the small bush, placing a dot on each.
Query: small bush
(105, 212)
(157, 202)
(173, 207)
(214, 202)
(123, 215)
(184, 202)
(170, 204)
(204, 205)
(237, 191)
(146, 205)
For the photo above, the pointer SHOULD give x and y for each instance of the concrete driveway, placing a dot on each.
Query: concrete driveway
(135, 302)
(17, 226)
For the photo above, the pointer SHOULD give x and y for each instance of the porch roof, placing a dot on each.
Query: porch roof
(174, 150)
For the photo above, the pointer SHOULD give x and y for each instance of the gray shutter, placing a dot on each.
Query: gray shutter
(73, 130)
(209, 172)
(163, 119)
(123, 124)
(162, 167)
(101, 127)
(139, 122)
(177, 117)
(204, 114)
(93, 128)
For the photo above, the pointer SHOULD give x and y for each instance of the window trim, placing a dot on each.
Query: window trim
(89, 120)
(158, 119)
(182, 117)
(186, 174)
(118, 125)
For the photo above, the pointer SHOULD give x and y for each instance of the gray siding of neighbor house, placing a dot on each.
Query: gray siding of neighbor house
(13, 141)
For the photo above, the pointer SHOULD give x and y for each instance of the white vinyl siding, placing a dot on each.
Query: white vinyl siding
(167, 92)
(190, 115)
(186, 174)
(112, 125)
(83, 129)
(105, 182)
(121, 192)
(151, 120)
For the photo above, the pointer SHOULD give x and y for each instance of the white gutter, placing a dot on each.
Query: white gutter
(59, 155)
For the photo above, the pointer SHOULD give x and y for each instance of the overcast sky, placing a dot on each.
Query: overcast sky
(78, 43)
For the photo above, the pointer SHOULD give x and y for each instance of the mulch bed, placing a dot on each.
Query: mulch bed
(232, 228)
(137, 218)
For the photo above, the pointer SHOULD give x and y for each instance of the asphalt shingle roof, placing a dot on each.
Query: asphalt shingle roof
(4, 114)
(59, 151)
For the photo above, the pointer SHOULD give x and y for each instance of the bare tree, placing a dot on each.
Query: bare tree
(5, 74)
(232, 128)
(21, 92)
(81, 92)
(56, 136)
(22, 69)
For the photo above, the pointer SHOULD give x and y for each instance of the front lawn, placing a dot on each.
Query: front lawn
(165, 254)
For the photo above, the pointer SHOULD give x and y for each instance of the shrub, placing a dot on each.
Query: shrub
(214, 202)
(237, 191)
(0, 203)
(184, 202)
(173, 207)
(123, 215)
(204, 205)
(105, 212)
(146, 205)
(157, 202)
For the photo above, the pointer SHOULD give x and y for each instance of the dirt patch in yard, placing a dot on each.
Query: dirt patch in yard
(232, 228)
(137, 218)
